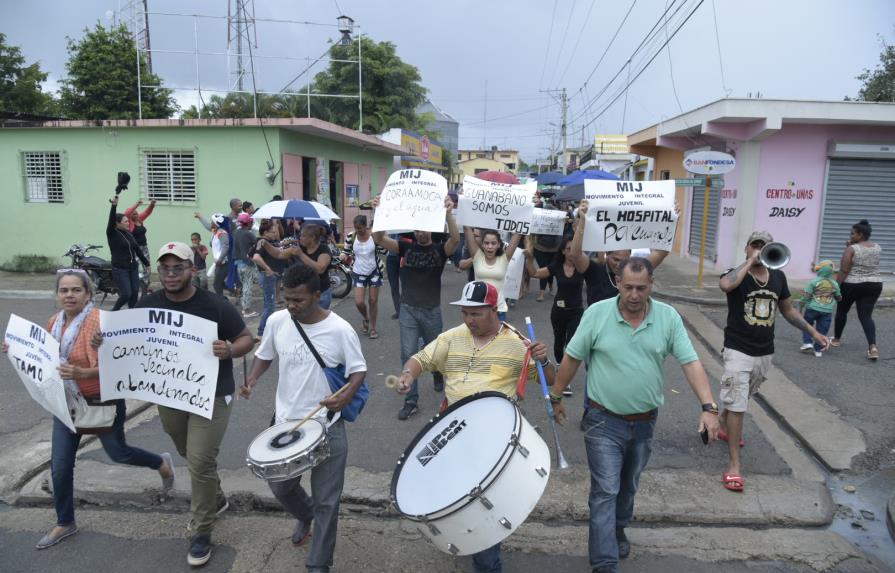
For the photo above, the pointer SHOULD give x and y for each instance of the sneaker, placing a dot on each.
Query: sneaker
(818, 353)
(200, 550)
(250, 314)
(567, 391)
(168, 482)
(48, 540)
(223, 504)
(438, 384)
(807, 347)
(302, 532)
(624, 546)
(407, 411)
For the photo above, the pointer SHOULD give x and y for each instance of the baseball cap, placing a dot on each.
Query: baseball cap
(244, 219)
(218, 218)
(179, 250)
(478, 293)
(762, 236)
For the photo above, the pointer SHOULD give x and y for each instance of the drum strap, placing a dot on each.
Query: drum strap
(523, 375)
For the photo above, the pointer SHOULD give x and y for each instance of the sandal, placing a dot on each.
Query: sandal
(733, 482)
(365, 327)
(873, 354)
(835, 342)
(373, 335)
(722, 435)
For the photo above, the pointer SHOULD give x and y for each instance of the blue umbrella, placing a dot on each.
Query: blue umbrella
(549, 178)
(295, 209)
(580, 176)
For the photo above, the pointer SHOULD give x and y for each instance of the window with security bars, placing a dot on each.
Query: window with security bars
(169, 175)
(43, 177)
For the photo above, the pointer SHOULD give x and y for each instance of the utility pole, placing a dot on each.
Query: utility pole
(560, 96)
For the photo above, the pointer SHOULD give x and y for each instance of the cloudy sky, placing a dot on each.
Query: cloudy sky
(488, 62)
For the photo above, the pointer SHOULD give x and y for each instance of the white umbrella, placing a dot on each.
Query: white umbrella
(295, 209)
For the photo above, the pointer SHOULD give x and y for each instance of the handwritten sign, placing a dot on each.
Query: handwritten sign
(500, 206)
(34, 355)
(512, 281)
(159, 356)
(548, 222)
(412, 199)
(629, 214)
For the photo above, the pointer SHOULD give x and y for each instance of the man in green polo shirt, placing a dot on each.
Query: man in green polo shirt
(625, 341)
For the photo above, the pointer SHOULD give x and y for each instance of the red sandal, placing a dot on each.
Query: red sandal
(733, 482)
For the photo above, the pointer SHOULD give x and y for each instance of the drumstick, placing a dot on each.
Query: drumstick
(551, 415)
(391, 381)
(317, 409)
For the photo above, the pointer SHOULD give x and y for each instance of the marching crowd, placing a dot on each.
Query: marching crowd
(602, 314)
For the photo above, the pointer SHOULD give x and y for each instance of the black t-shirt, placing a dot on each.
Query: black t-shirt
(275, 264)
(568, 289)
(324, 276)
(139, 234)
(751, 310)
(421, 269)
(600, 286)
(208, 305)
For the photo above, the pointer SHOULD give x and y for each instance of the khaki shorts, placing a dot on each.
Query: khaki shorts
(743, 374)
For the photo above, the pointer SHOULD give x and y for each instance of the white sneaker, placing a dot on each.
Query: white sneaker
(818, 353)
(807, 347)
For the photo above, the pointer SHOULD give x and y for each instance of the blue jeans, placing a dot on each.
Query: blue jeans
(326, 299)
(417, 322)
(617, 452)
(128, 283)
(269, 288)
(393, 269)
(820, 321)
(65, 448)
(487, 560)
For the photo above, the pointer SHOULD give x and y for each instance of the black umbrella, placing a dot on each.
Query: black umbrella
(571, 193)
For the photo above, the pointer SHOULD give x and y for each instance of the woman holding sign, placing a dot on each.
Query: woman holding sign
(490, 260)
(73, 327)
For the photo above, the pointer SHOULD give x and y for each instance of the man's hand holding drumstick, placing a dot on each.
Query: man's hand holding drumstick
(403, 383)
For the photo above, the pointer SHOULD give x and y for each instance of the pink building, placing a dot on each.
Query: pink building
(806, 171)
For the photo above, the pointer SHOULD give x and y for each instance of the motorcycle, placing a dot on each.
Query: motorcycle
(100, 270)
(339, 273)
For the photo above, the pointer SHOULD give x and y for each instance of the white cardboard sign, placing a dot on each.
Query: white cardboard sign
(512, 282)
(412, 199)
(159, 356)
(34, 355)
(499, 206)
(629, 215)
(548, 222)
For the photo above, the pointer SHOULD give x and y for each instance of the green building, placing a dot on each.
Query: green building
(57, 176)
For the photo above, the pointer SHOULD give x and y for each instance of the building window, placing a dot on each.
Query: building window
(505, 156)
(169, 175)
(665, 175)
(43, 177)
(480, 155)
(511, 166)
(477, 171)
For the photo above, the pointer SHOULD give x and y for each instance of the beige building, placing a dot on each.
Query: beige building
(477, 165)
(509, 157)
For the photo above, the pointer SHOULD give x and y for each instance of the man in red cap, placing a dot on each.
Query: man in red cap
(481, 354)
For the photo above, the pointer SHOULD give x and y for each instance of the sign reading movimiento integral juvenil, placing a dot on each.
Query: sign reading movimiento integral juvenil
(159, 356)
(34, 355)
(500, 206)
(625, 215)
(548, 222)
(412, 199)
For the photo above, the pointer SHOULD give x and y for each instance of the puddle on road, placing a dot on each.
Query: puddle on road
(860, 517)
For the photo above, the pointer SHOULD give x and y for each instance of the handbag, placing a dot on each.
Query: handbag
(336, 379)
(94, 417)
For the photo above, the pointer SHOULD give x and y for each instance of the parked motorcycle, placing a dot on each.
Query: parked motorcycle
(339, 273)
(100, 270)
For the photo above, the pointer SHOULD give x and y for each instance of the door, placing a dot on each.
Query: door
(293, 176)
(711, 235)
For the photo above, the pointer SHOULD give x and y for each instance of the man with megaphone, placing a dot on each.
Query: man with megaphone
(755, 291)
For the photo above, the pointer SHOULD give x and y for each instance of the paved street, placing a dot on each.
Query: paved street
(681, 485)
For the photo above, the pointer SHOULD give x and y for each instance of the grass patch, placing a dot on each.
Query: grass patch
(30, 264)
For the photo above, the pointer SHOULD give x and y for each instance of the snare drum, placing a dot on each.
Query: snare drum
(278, 454)
(472, 475)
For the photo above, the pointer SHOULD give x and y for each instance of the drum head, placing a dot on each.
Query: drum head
(454, 453)
(278, 442)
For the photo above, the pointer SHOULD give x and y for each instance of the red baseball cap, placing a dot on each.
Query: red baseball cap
(478, 293)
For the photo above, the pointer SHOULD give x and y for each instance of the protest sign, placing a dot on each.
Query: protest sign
(500, 206)
(548, 222)
(629, 214)
(34, 355)
(412, 199)
(159, 356)
(512, 281)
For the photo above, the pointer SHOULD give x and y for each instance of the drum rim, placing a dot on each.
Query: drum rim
(250, 461)
(496, 470)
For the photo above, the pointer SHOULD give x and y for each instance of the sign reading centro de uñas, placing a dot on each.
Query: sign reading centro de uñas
(709, 162)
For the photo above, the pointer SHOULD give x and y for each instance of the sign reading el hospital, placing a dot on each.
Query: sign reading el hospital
(159, 356)
(629, 215)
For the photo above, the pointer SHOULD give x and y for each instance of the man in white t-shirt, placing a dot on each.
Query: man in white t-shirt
(301, 387)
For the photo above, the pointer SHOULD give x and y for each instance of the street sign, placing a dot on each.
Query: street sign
(709, 162)
(697, 182)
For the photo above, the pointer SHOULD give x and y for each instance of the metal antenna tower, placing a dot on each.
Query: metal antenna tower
(240, 32)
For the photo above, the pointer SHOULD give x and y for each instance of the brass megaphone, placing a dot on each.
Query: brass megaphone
(774, 255)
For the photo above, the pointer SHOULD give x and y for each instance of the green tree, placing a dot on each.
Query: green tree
(102, 79)
(879, 84)
(20, 90)
(391, 89)
(235, 105)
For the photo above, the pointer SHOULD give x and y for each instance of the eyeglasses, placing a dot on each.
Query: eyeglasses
(175, 271)
(60, 272)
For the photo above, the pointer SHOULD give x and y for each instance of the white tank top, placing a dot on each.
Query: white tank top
(364, 257)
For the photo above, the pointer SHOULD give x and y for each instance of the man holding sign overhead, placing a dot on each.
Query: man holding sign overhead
(422, 260)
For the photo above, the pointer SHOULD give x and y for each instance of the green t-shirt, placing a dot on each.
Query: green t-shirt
(625, 365)
(822, 293)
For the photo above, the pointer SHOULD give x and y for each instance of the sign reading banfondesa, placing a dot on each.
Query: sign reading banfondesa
(709, 162)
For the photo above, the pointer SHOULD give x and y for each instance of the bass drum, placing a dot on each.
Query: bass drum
(472, 475)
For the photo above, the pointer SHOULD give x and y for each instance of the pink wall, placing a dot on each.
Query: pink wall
(728, 217)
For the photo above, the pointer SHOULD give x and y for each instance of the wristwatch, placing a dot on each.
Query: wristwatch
(710, 407)
(545, 363)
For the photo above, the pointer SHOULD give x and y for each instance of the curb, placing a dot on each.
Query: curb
(673, 297)
(890, 517)
(27, 294)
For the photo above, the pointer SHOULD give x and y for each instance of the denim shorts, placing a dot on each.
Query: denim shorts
(372, 280)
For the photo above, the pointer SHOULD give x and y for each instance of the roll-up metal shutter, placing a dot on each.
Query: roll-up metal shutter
(711, 232)
(859, 189)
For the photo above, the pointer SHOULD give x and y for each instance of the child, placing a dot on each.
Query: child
(200, 251)
(818, 299)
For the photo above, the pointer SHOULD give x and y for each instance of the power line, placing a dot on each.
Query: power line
(577, 41)
(720, 59)
(549, 39)
(562, 44)
(615, 35)
(671, 69)
(510, 115)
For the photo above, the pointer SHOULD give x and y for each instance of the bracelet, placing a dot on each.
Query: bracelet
(545, 363)
(555, 398)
